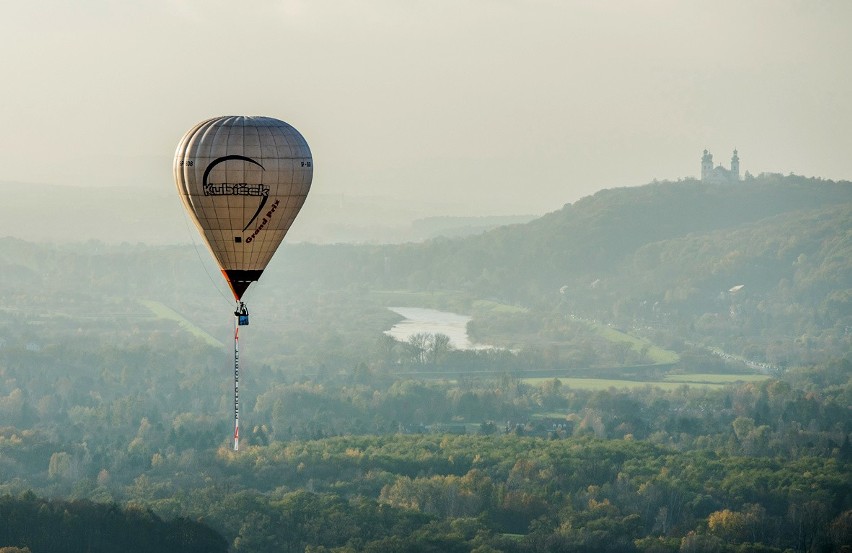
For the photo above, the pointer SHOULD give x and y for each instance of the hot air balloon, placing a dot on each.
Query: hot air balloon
(242, 180)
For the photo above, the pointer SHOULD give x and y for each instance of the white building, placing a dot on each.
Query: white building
(718, 174)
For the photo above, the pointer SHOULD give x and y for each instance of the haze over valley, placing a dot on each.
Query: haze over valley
(614, 319)
(568, 277)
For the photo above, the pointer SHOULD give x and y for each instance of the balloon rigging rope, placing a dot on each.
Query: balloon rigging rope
(201, 260)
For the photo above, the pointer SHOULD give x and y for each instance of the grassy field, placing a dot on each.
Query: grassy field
(715, 378)
(670, 382)
(655, 353)
(496, 307)
(164, 312)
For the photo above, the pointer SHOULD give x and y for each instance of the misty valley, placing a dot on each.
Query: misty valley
(663, 368)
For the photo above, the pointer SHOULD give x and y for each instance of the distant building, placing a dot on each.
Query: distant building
(718, 174)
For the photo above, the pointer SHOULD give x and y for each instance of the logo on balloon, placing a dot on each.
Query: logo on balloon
(263, 223)
(236, 189)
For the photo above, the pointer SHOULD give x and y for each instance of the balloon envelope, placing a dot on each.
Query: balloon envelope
(243, 180)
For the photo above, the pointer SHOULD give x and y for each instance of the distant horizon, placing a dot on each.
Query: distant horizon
(156, 216)
(507, 107)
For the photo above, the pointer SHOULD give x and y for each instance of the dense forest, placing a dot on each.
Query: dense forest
(115, 387)
(70, 526)
(366, 461)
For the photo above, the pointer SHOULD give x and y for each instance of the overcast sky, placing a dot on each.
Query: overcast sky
(497, 106)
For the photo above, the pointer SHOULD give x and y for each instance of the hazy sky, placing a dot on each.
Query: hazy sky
(493, 106)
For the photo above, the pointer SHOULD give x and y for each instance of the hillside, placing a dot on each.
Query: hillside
(115, 386)
(594, 237)
(660, 257)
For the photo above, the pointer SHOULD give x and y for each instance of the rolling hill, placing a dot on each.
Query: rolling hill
(760, 268)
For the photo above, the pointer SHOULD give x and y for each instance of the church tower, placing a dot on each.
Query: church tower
(735, 166)
(707, 166)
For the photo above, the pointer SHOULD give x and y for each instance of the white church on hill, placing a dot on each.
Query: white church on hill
(718, 174)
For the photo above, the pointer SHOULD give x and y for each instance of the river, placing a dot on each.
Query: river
(421, 320)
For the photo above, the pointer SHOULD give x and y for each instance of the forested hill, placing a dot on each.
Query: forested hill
(596, 237)
(665, 255)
